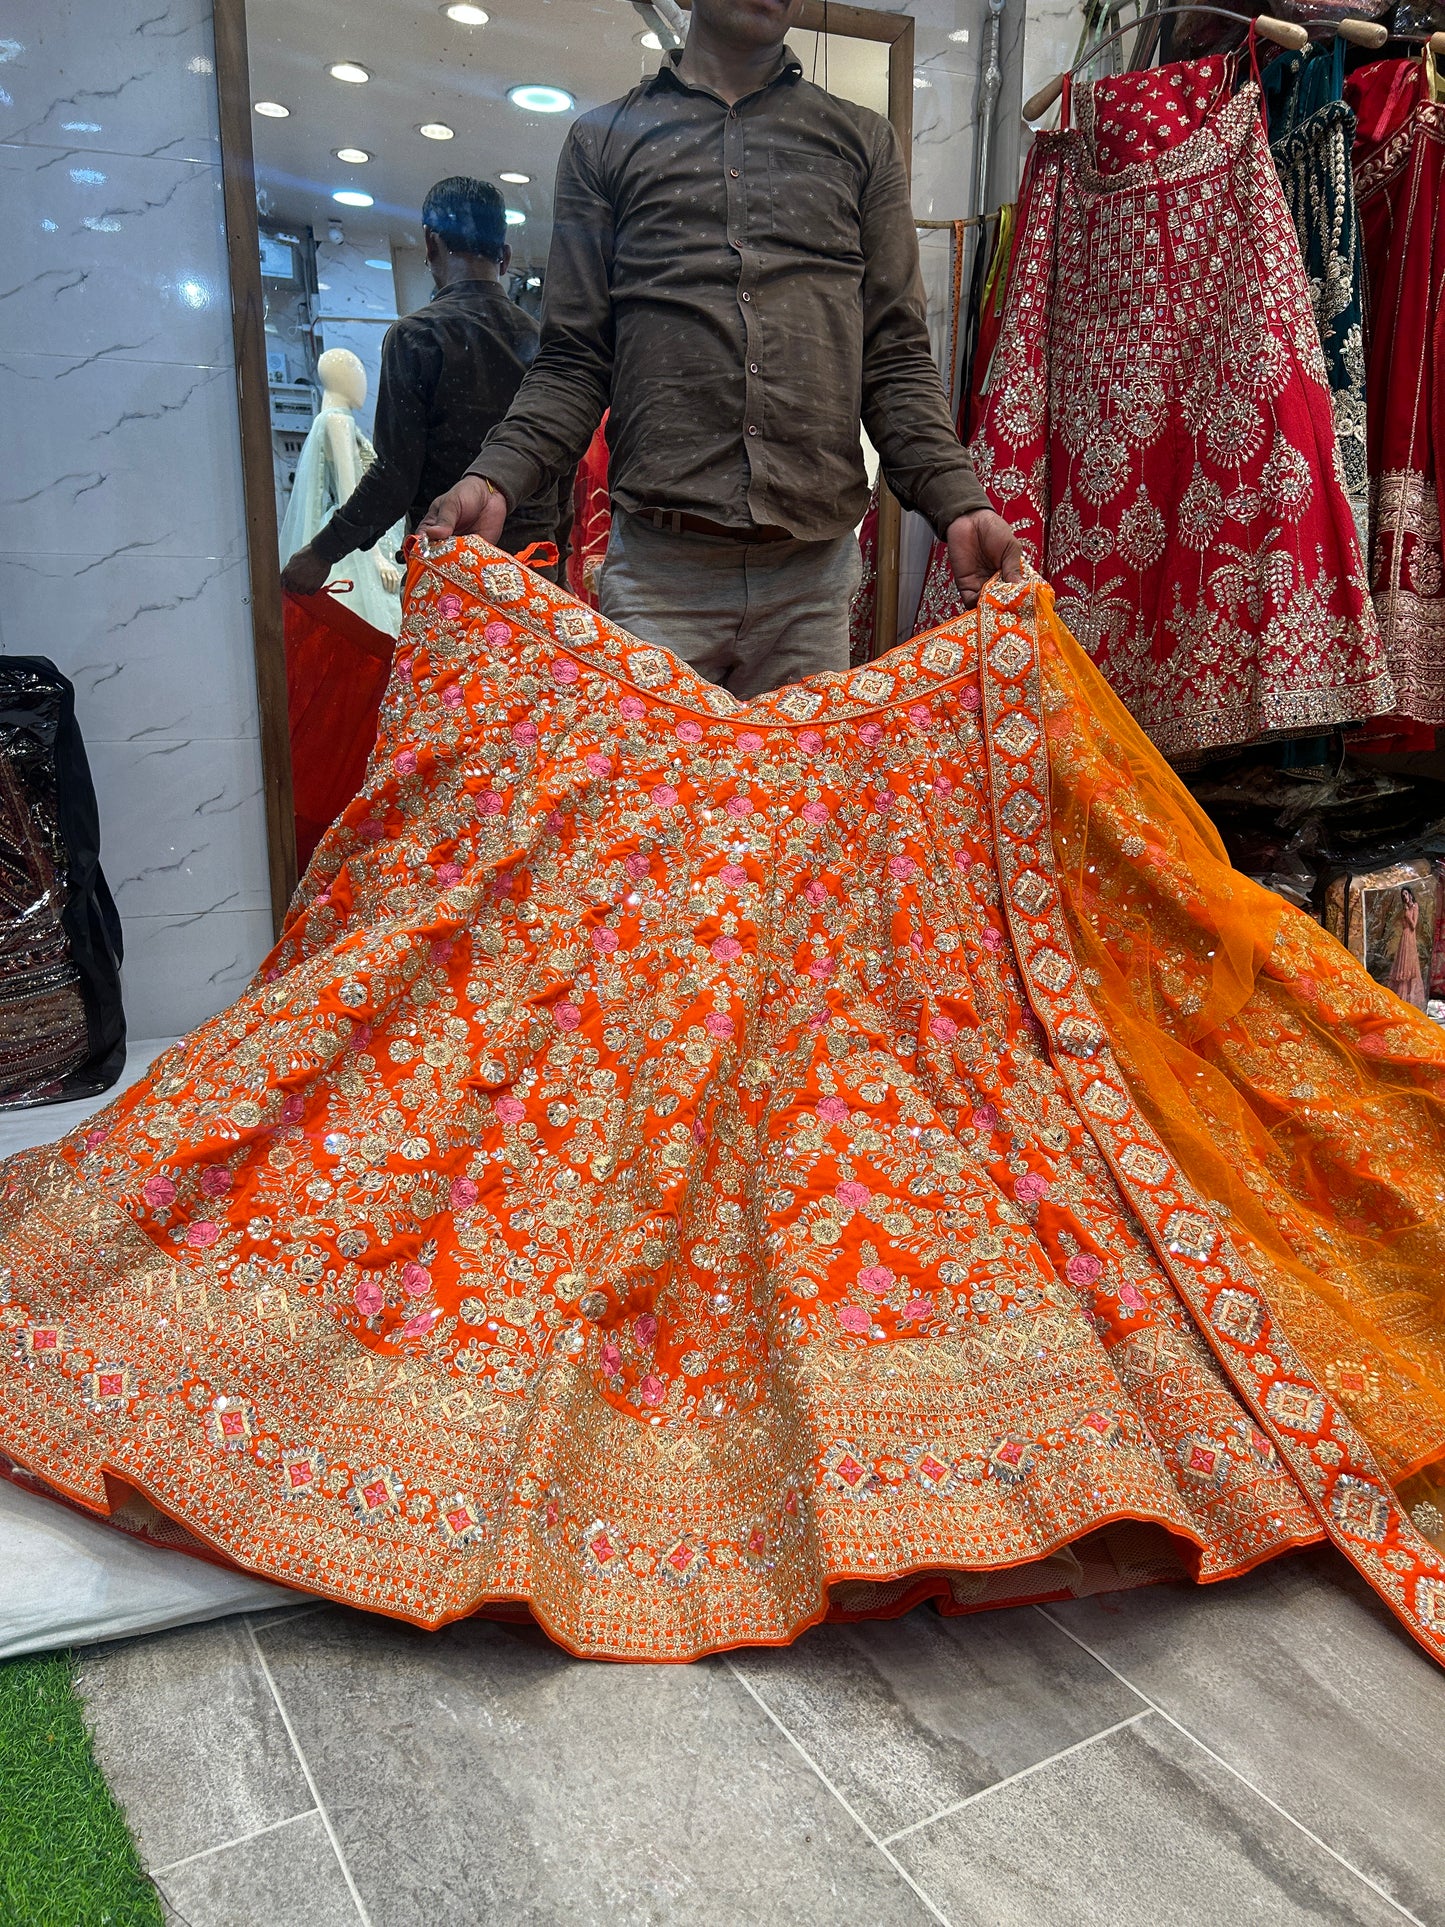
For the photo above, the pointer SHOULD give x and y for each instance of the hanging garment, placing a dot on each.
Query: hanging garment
(1159, 428)
(690, 1166)
(336, 673)
(939, 601)
(315, 497)
(62, 1028)
(1311, 131)
(1400, 184)
(591, 519)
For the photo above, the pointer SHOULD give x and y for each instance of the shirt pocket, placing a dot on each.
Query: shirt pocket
(814, 196)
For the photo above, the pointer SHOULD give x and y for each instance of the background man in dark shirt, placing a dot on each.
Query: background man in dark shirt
(734, 267)
(448, 376)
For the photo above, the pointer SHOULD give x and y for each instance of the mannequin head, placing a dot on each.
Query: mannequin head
(465, 225)
(343, 377)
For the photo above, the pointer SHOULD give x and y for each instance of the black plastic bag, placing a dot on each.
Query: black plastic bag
(62, 1028)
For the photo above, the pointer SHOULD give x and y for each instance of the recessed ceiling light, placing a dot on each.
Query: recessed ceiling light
(651, 41)
(349, 197)
(372, 263)
(516, 180)
(348, 70)
(273, 110)
(515, 217)
(467, 16)
(436, 130)
(541, 100)
(353, 156)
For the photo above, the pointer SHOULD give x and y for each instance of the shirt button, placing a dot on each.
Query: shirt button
(752, 428)
(734, 172)
(746, 296)
(752, 367)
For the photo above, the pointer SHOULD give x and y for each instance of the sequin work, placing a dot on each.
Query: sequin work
(673, 1174)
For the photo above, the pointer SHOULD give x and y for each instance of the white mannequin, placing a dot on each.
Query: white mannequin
(343, 386)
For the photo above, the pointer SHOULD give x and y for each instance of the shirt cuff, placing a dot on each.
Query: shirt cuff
(945, 497)
(517, 476)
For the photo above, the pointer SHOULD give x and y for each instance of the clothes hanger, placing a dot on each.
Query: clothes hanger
(1283, 33)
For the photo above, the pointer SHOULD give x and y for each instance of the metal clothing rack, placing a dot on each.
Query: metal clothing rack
(1283, 33)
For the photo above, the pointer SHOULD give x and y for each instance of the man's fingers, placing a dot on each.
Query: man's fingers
(440, 520)
(1012, 567)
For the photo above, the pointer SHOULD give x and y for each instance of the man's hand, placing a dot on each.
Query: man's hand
(305, 573)
(979, 546)
(473, 507)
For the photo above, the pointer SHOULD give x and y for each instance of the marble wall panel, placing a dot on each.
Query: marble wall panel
(122, 528)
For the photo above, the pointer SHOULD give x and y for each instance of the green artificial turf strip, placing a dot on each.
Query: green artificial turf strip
(66, 1858)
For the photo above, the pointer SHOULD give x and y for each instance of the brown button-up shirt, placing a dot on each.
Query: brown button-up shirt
(740, 285)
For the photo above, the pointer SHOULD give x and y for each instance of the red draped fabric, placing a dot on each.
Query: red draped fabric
(336, 670)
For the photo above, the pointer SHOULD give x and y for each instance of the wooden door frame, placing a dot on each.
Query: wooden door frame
(248, 316)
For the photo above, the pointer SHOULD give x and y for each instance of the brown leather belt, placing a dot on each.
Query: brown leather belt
(680, 522)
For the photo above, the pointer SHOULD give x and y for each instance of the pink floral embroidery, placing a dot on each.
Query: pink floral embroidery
(664, 796)
(919, 1308)
(652, 1389)
(1083, 1268)
(497, 633)
(452, 696)
(739, 806)
(688, 731)
(202, 1234)
(598, 764)
(510, 1110)
(876, 1278)
(524, 733)
(733, 875)
(610, 1359)
(870, 733)
(726, 948)
(415, 1280)
(815, 813)
(901, 867)
(749, 742)
(421, 1322)
(605, 940)
(404, 762)
(853, 1318)
(566, 1016)
(970, 698)
(810, 742)
(491, 803)
(367, 1298)
(644, 1330)
(816, 892)
(985, 1118)
(564, 670)
(449, 873)
(920, 715)
(1031, 1187)
(215, 1181)
(852, 1194)
(1131, 1298)
(450, 606)
(463, 1194)
(943, 1028)
(293, 1109)
(833, 1110)
(820, 968)
(717, 1023)
(633, 708)
(637, 866)
(158, 1192)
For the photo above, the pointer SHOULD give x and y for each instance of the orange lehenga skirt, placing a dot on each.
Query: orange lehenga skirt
(689, 1168)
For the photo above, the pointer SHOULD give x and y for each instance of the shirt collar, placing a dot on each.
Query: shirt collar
(789, 68)
(467, 287)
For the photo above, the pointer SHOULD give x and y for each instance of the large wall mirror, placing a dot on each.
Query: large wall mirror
(337, 117)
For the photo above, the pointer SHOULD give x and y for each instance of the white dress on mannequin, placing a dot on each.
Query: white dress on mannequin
(335, 457)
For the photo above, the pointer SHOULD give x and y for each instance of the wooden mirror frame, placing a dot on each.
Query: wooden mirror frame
(248, 319)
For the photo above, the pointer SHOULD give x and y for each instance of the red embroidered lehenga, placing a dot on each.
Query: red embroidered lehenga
(688, 1168)
(1400, 185)
(1159, 427)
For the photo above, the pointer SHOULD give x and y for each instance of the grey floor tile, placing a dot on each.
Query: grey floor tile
(287, 1878)
(1139, 1829)
(43, 1123)
(907, 1716)
(1299, 1677)
(188, 1735)
(480, 1774)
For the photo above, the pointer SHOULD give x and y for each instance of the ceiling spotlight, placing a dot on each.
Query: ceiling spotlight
(541, 100)
(350, 197)
(466, 16)
(273, 110)
(348, 70)
(515, 217)
(534, 280)
(353, 156)
(651, 41)
(436, 130)
(384, 265)
(514, 179)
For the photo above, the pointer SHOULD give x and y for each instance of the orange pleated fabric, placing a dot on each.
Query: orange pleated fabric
(690, 1168)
